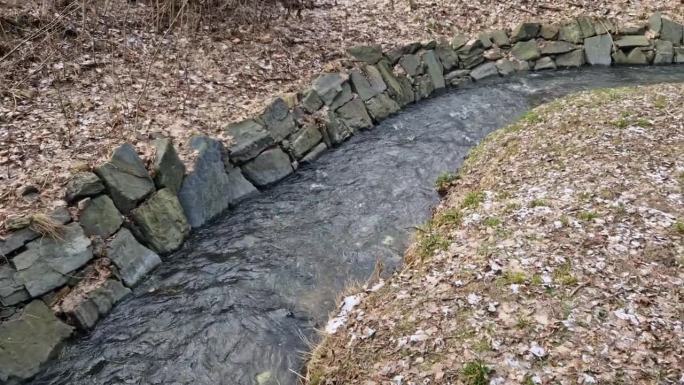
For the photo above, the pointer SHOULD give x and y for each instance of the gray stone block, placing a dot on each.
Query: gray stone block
(278, 119)
(526, 50)
(12, 291)
(249, 140)
(29, 341)
(545, 63)
(664, 53)
(571, 33)
(484, 71)
(381, 107)
(168, 169)
(571, 59)
(131, 258)
(597, 50)
(126, 178)
(671, 31)
(342, 97)
(304, 140)
(100, 217)
(586, 25)
(423, 86)
(82, 185)
(549, 31)
(269, 167)
(557, 47)
(361, 85)
(370, 54)
(434, 69)
(633, 41)
(314, 154)
(327, 86)
(412, 65)
(85, 314)
(526, 31)
(161, 222)
(311, 101)
(47, 263)
(505, 67)
(106, 296)
(447, 56)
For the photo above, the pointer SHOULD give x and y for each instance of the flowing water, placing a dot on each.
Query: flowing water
(239, 300)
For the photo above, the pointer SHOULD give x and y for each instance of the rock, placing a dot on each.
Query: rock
(458, 41)
(549, 31)
(168, 169)
(126, 178)
(408, 96)
(396, 53)
(327, 86)
(545, 63)
(664, 52)
(47, 263)
(208, 189)
(370, 54)
(17, 222)
(161, 222)
(637, 56)
(240, 187)
(394, 87)
(434, 69)
(484, 71)
(17, 239)
(311, 101)
(597, 50)
(412, 65)
(505, 67)
(278, 119)
(526, 31)
(348, 119)
(500, 38)
(633, 41)
(446, 56)
(679, 55)
(472, 60)
(314, 154)
(269, 167)
(381, 107)
(131, 258)
(485, 40)
(526, 50)
(603, 27)
(632, 29)
(493, 54)
(374, 77)
(424, 87)
(108, 295)
(29, 341)
(619, 57)
(671, 31)
(305, 139)
(85, 315)
(12, 291)
(428, 45)
(571, 59)
(361, 85)
(249, 140)
(571, 33)
(655, 23)
(586, 25)
(100, 217)
(342, 97)
(521, 65)
(557, 47)
(456, 74)
(82, 185)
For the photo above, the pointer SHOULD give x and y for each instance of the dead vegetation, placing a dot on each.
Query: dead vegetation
(79, 78)
(560, 260)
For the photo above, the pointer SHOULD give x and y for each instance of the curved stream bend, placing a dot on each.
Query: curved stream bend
(235, 304)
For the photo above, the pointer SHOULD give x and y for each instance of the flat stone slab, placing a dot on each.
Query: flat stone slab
(161, 222)
(17, 239)
(545, 63)
(526, 50)
(12, 290)
(98, 303)
(47, 263)
(249, 140)
(100, 217)
(597, 50)
(126, 178)
(29, 341)
(571, 59)
(269, 167)
(82, 185)
(633, 41)
(484, 71)
(447, 56)
(327, 86)
(571, 33)
(348, 119)
(131, 258)
(526, 31)
(671, 31)
(208, 190)
(361, 85)
(168, 168)
(557, 47)
(412, 65)
(314, 154)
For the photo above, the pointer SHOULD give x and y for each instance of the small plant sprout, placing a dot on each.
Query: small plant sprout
(449, 217)
(538, 202)
(473, 199)
(476, 373)
(587, 216)
(444, 180)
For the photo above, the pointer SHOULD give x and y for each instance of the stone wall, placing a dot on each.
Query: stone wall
(129, 217)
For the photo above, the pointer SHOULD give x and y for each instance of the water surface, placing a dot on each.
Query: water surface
(244, 293)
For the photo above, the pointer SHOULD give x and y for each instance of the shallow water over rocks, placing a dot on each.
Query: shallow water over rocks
(236, 304)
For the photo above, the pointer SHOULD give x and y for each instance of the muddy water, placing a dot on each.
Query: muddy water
(238, 302)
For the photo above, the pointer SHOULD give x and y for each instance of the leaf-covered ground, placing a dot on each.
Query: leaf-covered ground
(75, 90)
(556, 258)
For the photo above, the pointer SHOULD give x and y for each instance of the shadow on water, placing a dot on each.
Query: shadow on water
(245, 292)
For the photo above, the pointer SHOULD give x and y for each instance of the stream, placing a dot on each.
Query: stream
(239, 303)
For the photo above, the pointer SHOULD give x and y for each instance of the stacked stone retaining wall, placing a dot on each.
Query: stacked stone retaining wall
(62, 274)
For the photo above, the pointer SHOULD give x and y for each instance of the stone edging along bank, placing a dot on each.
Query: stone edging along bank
(129, 217)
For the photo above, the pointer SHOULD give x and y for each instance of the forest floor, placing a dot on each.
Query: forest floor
(556, 257)
(76, 84)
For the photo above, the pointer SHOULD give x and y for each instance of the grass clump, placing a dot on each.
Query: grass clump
(476, 373)
(492, 222)
(429, 242)
(678, 227)
(514, 277)
(563, 275)
(449, 217)
(473, 199)
(587, 216)
(531, 117)
(443, 182)
(539, 202)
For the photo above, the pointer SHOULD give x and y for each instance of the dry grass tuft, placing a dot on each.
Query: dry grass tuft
(46, 226)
